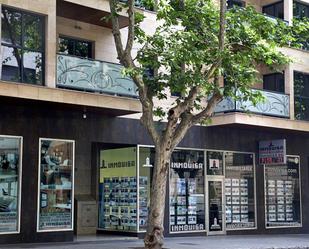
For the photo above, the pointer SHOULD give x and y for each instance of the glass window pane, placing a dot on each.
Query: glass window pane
(32, 71)
(10, 63)
(83, 49)
(187, 198)
(239, 190)
(56, 178)
(146, 163)
(33, 29)
(282, 193)
(11, 27)
(10, 149)
(118, 190)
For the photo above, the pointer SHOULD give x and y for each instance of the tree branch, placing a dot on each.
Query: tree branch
(208, 111)
(130, 39)
(116, 30)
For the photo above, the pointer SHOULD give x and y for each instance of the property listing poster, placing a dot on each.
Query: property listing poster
(187, 206)
(118, 189)
(239, 191)
(283, 194)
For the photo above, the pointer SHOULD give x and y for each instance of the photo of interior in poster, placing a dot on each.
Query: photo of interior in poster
(10, 148)
(56, 188)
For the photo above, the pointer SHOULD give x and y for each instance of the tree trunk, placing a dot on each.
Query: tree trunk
(154, 236)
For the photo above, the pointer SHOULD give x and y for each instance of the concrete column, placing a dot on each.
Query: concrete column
(50, 45)
(289, 87)
(288, 10)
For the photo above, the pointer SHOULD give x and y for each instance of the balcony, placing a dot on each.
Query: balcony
(93, 76)
(275, 104)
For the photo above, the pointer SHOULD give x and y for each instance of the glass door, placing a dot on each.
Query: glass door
(216, 206)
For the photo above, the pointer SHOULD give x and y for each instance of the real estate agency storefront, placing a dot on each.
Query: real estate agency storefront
(209, 191)
(216, 184)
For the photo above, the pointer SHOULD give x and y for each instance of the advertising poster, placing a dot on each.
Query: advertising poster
(9, 183)
(56, 189)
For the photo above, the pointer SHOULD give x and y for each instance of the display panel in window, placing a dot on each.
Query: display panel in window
(10, 170)
(186, 195)
(118, 190)
(56, 178)
(240, 190)
(22, 46)
(282, 194)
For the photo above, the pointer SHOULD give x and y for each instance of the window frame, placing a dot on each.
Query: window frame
(77, 39)
(272, 5)
(22, 47)
(275, 75)
(298, 96)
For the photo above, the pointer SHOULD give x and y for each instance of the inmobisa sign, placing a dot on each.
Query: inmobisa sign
(272, 152)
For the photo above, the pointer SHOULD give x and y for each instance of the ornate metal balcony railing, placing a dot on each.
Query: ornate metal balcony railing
(275, 104)
(94, 76)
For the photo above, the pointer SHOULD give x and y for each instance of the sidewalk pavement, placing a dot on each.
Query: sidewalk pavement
(210, 242)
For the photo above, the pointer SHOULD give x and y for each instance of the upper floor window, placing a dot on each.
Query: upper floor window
(274, 10)
(301, 95)
(22, 46)
(76, 47)
(274, 82)
(237, 3)
(300, 10)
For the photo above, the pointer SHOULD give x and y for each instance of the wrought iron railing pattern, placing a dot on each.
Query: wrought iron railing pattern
(93, 75)
(274, 104)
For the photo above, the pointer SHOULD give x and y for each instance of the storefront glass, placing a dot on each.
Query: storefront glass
(55, 185)
(239, 190)
(282, 194)
(10, 170)
(118, 190)
(187, 198)
(146, 163)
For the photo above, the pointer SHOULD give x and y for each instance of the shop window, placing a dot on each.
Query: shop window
(22, 46)
(56, 178)
(274, 82)
(301, 95)
(118, 190)
(274, 10)
(76, 47)
(187, 198)
(282, 194)
(10, 174)
(240, 191)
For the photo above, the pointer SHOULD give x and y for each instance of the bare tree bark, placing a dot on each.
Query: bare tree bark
(154, 236)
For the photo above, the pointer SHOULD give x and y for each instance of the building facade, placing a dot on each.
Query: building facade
(74, 158)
